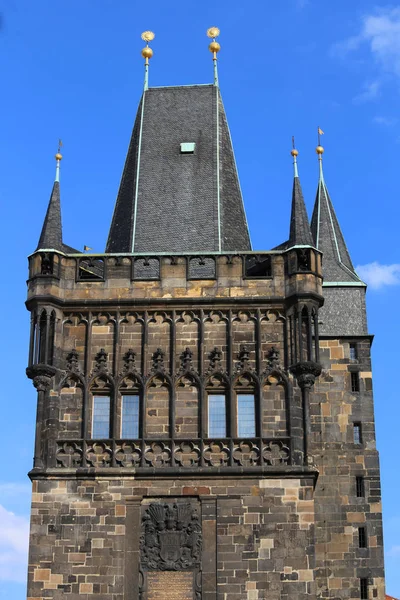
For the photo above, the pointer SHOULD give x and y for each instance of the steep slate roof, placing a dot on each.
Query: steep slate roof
(51, 236)
(170, 201)
(328, 237)
(300, 233)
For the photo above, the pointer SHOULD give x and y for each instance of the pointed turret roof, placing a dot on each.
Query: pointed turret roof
(336, 262)
(300, 233)
(180, 189)
(51, 236)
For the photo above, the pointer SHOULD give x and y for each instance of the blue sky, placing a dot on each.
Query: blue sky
(73, 70)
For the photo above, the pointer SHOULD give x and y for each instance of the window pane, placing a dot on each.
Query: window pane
(364, 589)
(355, 382)
(353, 352)
(246, 415)
(362, 537)
(130, 417)
(357, 433)
(101, 417)
(216, 415)
(360, 488)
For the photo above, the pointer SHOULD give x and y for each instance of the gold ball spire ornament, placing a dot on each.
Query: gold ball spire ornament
(319, 150)
(58, 156)
(148, 36)
(147, 52)
(294, 152)
(213, 32)
(214, 47)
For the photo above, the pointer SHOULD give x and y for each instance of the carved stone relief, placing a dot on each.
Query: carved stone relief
(171, 537)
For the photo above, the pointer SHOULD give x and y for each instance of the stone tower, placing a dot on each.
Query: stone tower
(205, 422)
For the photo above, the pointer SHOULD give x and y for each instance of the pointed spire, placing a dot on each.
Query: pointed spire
(328, 237)
(214, 47)
(147, 53)
(51, 236)
(300, 233)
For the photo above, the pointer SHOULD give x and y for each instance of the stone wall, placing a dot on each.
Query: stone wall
(339, 513)
(85, 537)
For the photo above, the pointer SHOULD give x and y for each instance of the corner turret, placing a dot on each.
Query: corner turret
(51, 235)
(344, 310)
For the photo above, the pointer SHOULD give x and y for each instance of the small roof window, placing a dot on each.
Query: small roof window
(188, 147)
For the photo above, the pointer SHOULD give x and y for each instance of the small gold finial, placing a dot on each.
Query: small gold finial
(319, 149)
(213, 32)
(214, 47)
(294, 152)
(58, 156)
(148, 36)
(147, 52)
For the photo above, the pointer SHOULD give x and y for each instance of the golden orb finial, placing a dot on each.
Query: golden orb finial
(58, 156)
(319, 150)
(147, 52)
(148, 36)
(213, 32)
(214, 47)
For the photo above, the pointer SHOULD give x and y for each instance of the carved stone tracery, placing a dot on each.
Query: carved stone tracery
(186, 360)
(215, 358)
(158, 361)
(72, 361)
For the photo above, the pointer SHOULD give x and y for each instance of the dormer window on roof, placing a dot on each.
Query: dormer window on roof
(188, 147)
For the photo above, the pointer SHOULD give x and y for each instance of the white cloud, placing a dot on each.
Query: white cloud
(370, 92)
(386, 121)
(381, 32)
(14, 536)
(378, 276)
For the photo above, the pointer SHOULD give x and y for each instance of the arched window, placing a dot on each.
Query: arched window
(245, 408)
(131, 408)
(217, 395)
(101, 408)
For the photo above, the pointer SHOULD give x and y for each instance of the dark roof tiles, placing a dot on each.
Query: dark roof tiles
(336, 262)
(170, 201)
(51, 236)
(300, 233)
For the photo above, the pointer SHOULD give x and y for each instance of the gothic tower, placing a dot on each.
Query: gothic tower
(205, 422)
